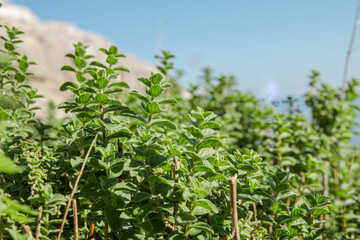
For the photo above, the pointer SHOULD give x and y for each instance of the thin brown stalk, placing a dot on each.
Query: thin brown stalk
(349, 51)
(326, 180)
(91, 231)
(255, 211)
(2, 179)
(106, 230)
(38, 223)
(27, 230)
(233, 206)
(75, 187)
(326, 184)
(336, 178)
(76, 222)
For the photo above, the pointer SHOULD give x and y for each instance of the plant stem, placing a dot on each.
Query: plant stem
(349, 51)
(38, 223)
(176, 165)
(325, 185)
(27, 230)
(187, 229)
(233, 206)
(76, 223)
(152, 189)
(91, 231)
(150, 117)
(1, 229)
(106, 230)
(75, 186)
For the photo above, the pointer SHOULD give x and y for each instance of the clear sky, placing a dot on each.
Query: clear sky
(269, 45)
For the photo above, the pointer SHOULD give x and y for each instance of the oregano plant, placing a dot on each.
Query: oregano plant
(152, 164)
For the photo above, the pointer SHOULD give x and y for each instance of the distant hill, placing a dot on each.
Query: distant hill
(47, 42)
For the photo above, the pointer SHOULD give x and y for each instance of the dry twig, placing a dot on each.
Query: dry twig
(75, 187)
(233, 205)
(76, 223)
(27, 230)
(38, 223)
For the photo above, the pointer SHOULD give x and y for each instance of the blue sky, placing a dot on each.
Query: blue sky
(266, 44)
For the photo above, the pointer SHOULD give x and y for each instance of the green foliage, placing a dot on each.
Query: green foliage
(160, 165)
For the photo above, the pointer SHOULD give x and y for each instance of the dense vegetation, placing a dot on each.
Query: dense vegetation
(152, 165)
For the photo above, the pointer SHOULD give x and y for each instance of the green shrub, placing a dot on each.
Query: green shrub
(150, 166)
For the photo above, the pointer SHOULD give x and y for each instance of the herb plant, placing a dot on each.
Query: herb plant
(155, 165)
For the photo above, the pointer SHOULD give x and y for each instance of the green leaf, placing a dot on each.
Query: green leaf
(139, 96)
(209, 143)
(8, 102)
(84, 98)
(209, 124)
(119, 135)
(164, 123)
(111, 59)
(101, 83)
(80, 63)
(203, 227)
(120, 84)
(196, 132)
(284, 218)
(318, 232)
(156, 90)
(112, 216)
(282, 187)
(153, 108)
(102, 98)
(67, 68)
(8, 166)
(107, 183)
(207, 205)
(95, 63)
(123, 69)
(145, 81)
(307, 219)
(156, 179)
(296, 213)
(280, 232)
(156, 160)
(82, 109)
(294, 231)
(141, 196)
(203, 168)
(322, 200)
(113, 90)
(126, 186)
(183, 218)
(5, 58)
(178, 236)
(168, 101)
(193, 155)
(113, 108)
(76, 161)
(265, 218)
(156, 78)
(113, 49)
(320, 211)
(311, 200)
(93, 74)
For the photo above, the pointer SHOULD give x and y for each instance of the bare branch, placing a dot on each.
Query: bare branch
(233, 205)
(75, 187)
(76, 222)
(38, 223)
(349, 51)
